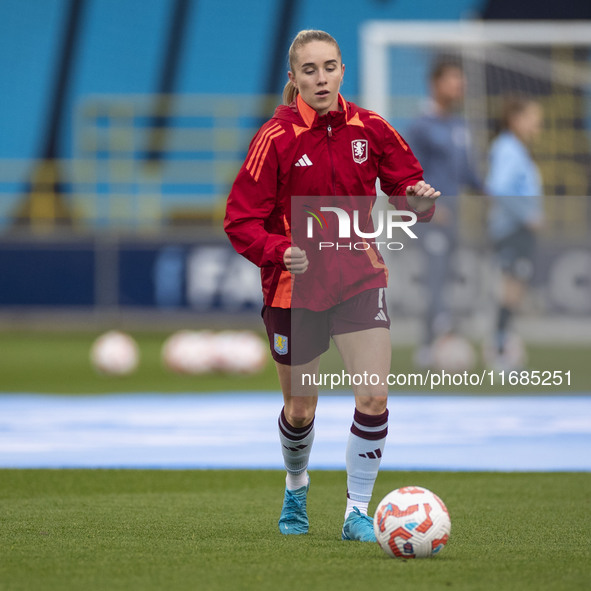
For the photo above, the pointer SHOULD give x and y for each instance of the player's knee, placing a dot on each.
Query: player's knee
(299, 415)
(372, 405)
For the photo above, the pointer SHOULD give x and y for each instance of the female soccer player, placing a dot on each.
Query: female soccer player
(515, 188)
(317, 145)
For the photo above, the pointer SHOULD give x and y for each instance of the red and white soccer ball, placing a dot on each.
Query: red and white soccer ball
(240, 352)
(411, 522)
(196, 352)
(189, 352)
(115, 353)
(453, 353)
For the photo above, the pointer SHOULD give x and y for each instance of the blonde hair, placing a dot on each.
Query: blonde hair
(303, 38)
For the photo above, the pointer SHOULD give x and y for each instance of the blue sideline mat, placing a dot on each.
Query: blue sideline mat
(531, 433)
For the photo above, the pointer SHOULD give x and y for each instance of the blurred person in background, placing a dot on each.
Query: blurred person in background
(441, 141)
(516, 215)
(318, 144)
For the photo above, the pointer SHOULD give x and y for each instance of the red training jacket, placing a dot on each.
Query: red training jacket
(334, 156)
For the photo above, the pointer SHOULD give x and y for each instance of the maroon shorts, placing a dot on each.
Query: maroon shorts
(298, 335)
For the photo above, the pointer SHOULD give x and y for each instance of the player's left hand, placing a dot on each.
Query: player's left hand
(421, 196)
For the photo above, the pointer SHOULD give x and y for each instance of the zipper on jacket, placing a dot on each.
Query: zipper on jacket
(334, 192)
(334, 173)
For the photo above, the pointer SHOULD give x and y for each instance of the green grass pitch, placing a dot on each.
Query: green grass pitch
(59, 363)
(216, 530)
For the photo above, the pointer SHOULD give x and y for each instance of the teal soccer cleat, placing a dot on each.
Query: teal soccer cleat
(358, 527)
(294, 518)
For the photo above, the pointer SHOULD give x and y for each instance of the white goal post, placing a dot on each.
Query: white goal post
(469, 37)
(550, 61)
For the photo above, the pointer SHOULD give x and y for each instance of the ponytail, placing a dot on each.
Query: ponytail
(289, 93)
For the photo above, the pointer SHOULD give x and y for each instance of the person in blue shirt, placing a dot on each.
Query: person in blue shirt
(441, 141)
(514, 186)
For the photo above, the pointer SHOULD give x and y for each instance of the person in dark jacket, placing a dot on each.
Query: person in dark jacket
(441, 140)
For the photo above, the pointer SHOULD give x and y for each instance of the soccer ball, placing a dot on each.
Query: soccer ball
(114, 353)
(411, 522)
(189, 352)
(453, 353)
(241, 352)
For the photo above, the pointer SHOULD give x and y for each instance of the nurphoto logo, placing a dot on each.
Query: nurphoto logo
(386, 220)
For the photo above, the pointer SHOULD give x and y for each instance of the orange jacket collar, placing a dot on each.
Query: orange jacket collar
(308, 114)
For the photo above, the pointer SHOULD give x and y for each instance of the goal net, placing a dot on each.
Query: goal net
(550, 61)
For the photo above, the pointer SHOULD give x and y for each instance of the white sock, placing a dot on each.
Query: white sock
(361, 505)
(364, 452)
(296, 444)
(295, 481)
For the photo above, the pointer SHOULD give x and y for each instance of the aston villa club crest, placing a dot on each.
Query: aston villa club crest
(360, 150)
(280, 344)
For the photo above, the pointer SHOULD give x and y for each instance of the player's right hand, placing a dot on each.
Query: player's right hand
(295, 260)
